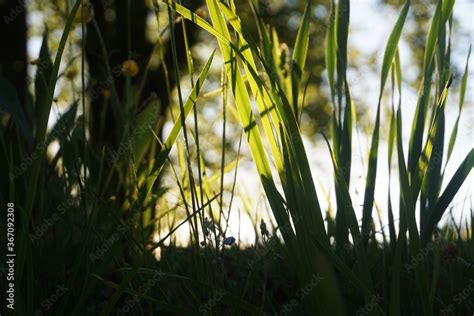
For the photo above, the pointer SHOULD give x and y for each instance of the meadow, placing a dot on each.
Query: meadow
(94, 199)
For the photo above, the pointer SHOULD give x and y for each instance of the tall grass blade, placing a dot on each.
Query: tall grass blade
(171, 139)
(41, 129)
(462, 93)
(299, 55)
(409, 212)
(389, 54)
(449, 192)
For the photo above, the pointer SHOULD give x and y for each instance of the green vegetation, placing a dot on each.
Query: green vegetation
(87, 214)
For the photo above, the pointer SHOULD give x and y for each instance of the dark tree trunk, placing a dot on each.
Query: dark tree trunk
(115, 35)
(13, 47)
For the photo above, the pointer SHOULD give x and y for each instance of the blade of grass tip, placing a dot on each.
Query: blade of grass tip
(331, 50)
(409, 210)
(462, 93)
(390, 141)
(299, 55)
(389, 54)
(341, 33)
(431, 183)
(40, 137)
(396, 81)
(171, 139)
(432, 152)
(418, 126)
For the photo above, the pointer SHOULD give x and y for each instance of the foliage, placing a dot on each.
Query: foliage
(86, 214)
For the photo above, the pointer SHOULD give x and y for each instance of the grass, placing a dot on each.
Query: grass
(99, 244)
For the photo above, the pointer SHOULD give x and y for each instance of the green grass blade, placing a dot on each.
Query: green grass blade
(450, 191)
(436, 134)
(462, 93)
(331, 56)
(41, 129)
(351, 220)
(171, 139)
(418, 126)
(390, 51)
(299, 55)
(409, 210)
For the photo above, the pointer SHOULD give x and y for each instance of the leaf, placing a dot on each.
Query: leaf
(331, 56)
(462, 93)
(171, 139)
(409, 212)
(450, 191)
(299, 54)
(389, 54)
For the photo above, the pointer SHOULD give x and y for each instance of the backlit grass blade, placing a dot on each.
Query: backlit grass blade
(277, 98)
(331, 50)
(263, 100)
(396, 81)
(418, 126)
(342, 126)
(327, 291)
(351, 220)
(342, 32)
(41, 129)
(171, 139)
(449, 192)
(389, 55)
(432, 177)
(435, 135)
(462, 93)
(299, 55)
